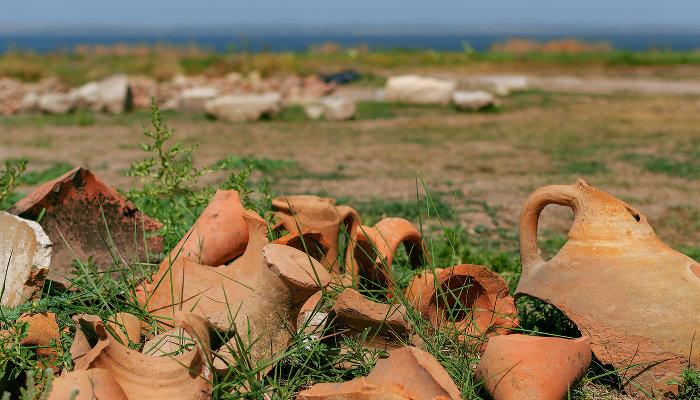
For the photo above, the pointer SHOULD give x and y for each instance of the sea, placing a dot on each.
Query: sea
(44, 40)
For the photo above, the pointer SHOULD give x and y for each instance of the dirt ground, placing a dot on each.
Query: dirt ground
(642, 148)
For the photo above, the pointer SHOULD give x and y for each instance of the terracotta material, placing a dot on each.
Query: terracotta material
(470, 299)
(614, 265)
(187, 285)
(85, 335)
(415, 289)
(93, 384)
(520, 367)
(125, 328)
(266, 320)
(220, 233)
(25, 255)
(185, 376)
(357, 389)
(308, 241)
(43, 334)
(417, 371)
(322, 215)
(72, 202)
(353, 313)
(375, 248)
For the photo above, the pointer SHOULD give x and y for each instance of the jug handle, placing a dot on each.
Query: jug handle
(565, 195)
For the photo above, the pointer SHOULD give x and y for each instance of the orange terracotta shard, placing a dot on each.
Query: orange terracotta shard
(139, 376)
(73, 216)
(635, 297)
(188, 285)
(308, 241)
(296, 213)
(357, 389)
(520, 367)
(220, 233)
(471, 300)
(43, 334)
(266, 320)
(375, 248)
(415, 289)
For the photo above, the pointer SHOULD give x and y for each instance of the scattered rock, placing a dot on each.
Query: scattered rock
(313, 111)
(375, 248)
(473, 100)
(57, 103)
(192, 100)
(244, 107)
(25, 255)
(417, 371)
(504, 85)
(520, 367)
(115, 94)
(614, 265)
(414, 89)
(77, 207)
(30, 103)
(471, 300)
(89, 96)
(337, 108)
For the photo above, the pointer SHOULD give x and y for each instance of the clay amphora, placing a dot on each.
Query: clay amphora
(635, 297)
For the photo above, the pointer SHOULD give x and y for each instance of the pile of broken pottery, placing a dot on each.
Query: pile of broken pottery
(226, 288)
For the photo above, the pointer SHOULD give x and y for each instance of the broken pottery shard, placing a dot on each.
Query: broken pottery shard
(43, 334)
(25, 255)
(322, 215)
(375, 248)
(353, 313)
(220, 233)
(124, 327)
(266, 320)
(521, 367)
(93, 384)
(74, 218)
(471, 300)
(308, 241)
(357, 389)
(614, 265)
(185, 376)
(415, 289)
(417, 371)
(187, 285)
(85, 335)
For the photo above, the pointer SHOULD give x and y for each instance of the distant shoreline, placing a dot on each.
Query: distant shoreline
(278, 39)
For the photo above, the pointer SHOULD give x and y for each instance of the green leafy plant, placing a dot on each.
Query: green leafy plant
(688, 384)
(10, 178)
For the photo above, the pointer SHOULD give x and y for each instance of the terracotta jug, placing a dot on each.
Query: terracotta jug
(635, 297)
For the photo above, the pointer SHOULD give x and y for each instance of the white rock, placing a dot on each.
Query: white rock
(504, 85)
(57, 103)
(379, 95)
(30, 103)
(244, 107)
(473, 100)
(89, 96)
(313, 111)
(115, 94)
(192, 100)
(25, 255)
(416, 89)
(337, 107)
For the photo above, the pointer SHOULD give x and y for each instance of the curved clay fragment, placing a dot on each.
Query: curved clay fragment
(265, 321)
(308, 241)
(415, 289)
(76, 207)
(186, 376)
(43, 334)
(471, 300)
(296, 213)
(187, 285)
(220, 233)
(124, 327)
(521, 367)
(375, 248)
(93, 384)
(614, 265)
(357, 389)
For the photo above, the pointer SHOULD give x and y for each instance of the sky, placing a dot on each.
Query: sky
(461, 13)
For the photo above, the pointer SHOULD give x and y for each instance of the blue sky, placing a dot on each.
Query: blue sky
(332, 12)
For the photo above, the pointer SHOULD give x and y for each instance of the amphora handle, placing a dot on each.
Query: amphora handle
(565, 195)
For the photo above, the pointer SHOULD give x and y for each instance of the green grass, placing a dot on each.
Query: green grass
(52, 172)
(688, 168)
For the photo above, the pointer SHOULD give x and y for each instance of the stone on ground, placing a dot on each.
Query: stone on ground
(192, 100)
(244, 107)
(473, 100)
(414, 89)
(337, 108)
